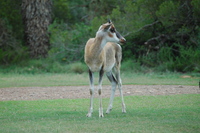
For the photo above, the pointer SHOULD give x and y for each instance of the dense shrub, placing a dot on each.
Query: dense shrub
(11, 49)
(162, 35)
(67, 43)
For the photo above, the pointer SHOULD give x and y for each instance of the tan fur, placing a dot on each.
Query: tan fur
(97, 57)
(110, 35)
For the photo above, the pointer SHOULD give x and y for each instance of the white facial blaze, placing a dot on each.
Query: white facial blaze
(111, 36)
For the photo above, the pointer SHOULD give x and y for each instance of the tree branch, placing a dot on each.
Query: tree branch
(144, 27)
(148, 25)
(160, 37)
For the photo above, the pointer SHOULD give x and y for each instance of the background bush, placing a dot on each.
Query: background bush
(162, 35)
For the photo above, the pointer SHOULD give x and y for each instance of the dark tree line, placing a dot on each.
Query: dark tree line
(159, 33)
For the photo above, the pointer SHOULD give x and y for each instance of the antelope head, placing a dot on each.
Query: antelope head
(110, 33)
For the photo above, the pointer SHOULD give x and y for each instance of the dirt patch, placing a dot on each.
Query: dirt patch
(73, 92)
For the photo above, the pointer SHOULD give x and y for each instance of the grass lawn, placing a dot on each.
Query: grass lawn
(49, 79)
(174, 113)
(158, 114)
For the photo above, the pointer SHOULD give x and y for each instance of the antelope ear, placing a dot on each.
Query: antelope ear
(107, 27)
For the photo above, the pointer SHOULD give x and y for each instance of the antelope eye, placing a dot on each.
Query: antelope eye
(112, 30)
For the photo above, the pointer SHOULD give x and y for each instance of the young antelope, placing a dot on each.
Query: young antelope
(104, 54)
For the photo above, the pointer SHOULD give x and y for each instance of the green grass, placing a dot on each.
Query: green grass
(66, 79)
(158, 114)
(176, 113)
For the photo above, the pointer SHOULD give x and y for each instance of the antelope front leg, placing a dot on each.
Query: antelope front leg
(91, 93)
(99, 91)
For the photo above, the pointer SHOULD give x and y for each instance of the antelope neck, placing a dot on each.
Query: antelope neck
(99, 43)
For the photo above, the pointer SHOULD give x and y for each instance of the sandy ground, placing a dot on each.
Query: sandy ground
(73, 92)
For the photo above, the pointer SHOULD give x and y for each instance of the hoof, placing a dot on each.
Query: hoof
(89, 115)
(101, 115)
(108, 111)
(123, 111)
(123, 108)
(101, 112)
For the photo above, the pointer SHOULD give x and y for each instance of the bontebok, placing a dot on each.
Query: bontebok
(104, 54)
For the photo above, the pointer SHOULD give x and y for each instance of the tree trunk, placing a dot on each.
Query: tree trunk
(36, 18)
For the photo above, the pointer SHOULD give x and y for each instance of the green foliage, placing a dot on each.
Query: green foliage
(161, 34)
(61, 7)
(11, 50)
(68, 45)
(168, 12)
(132, 66)
(170, 59)
(41, 66)
(34, 67)
(196, 10)
(186, 61)
(10, 12)
(78, 67)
